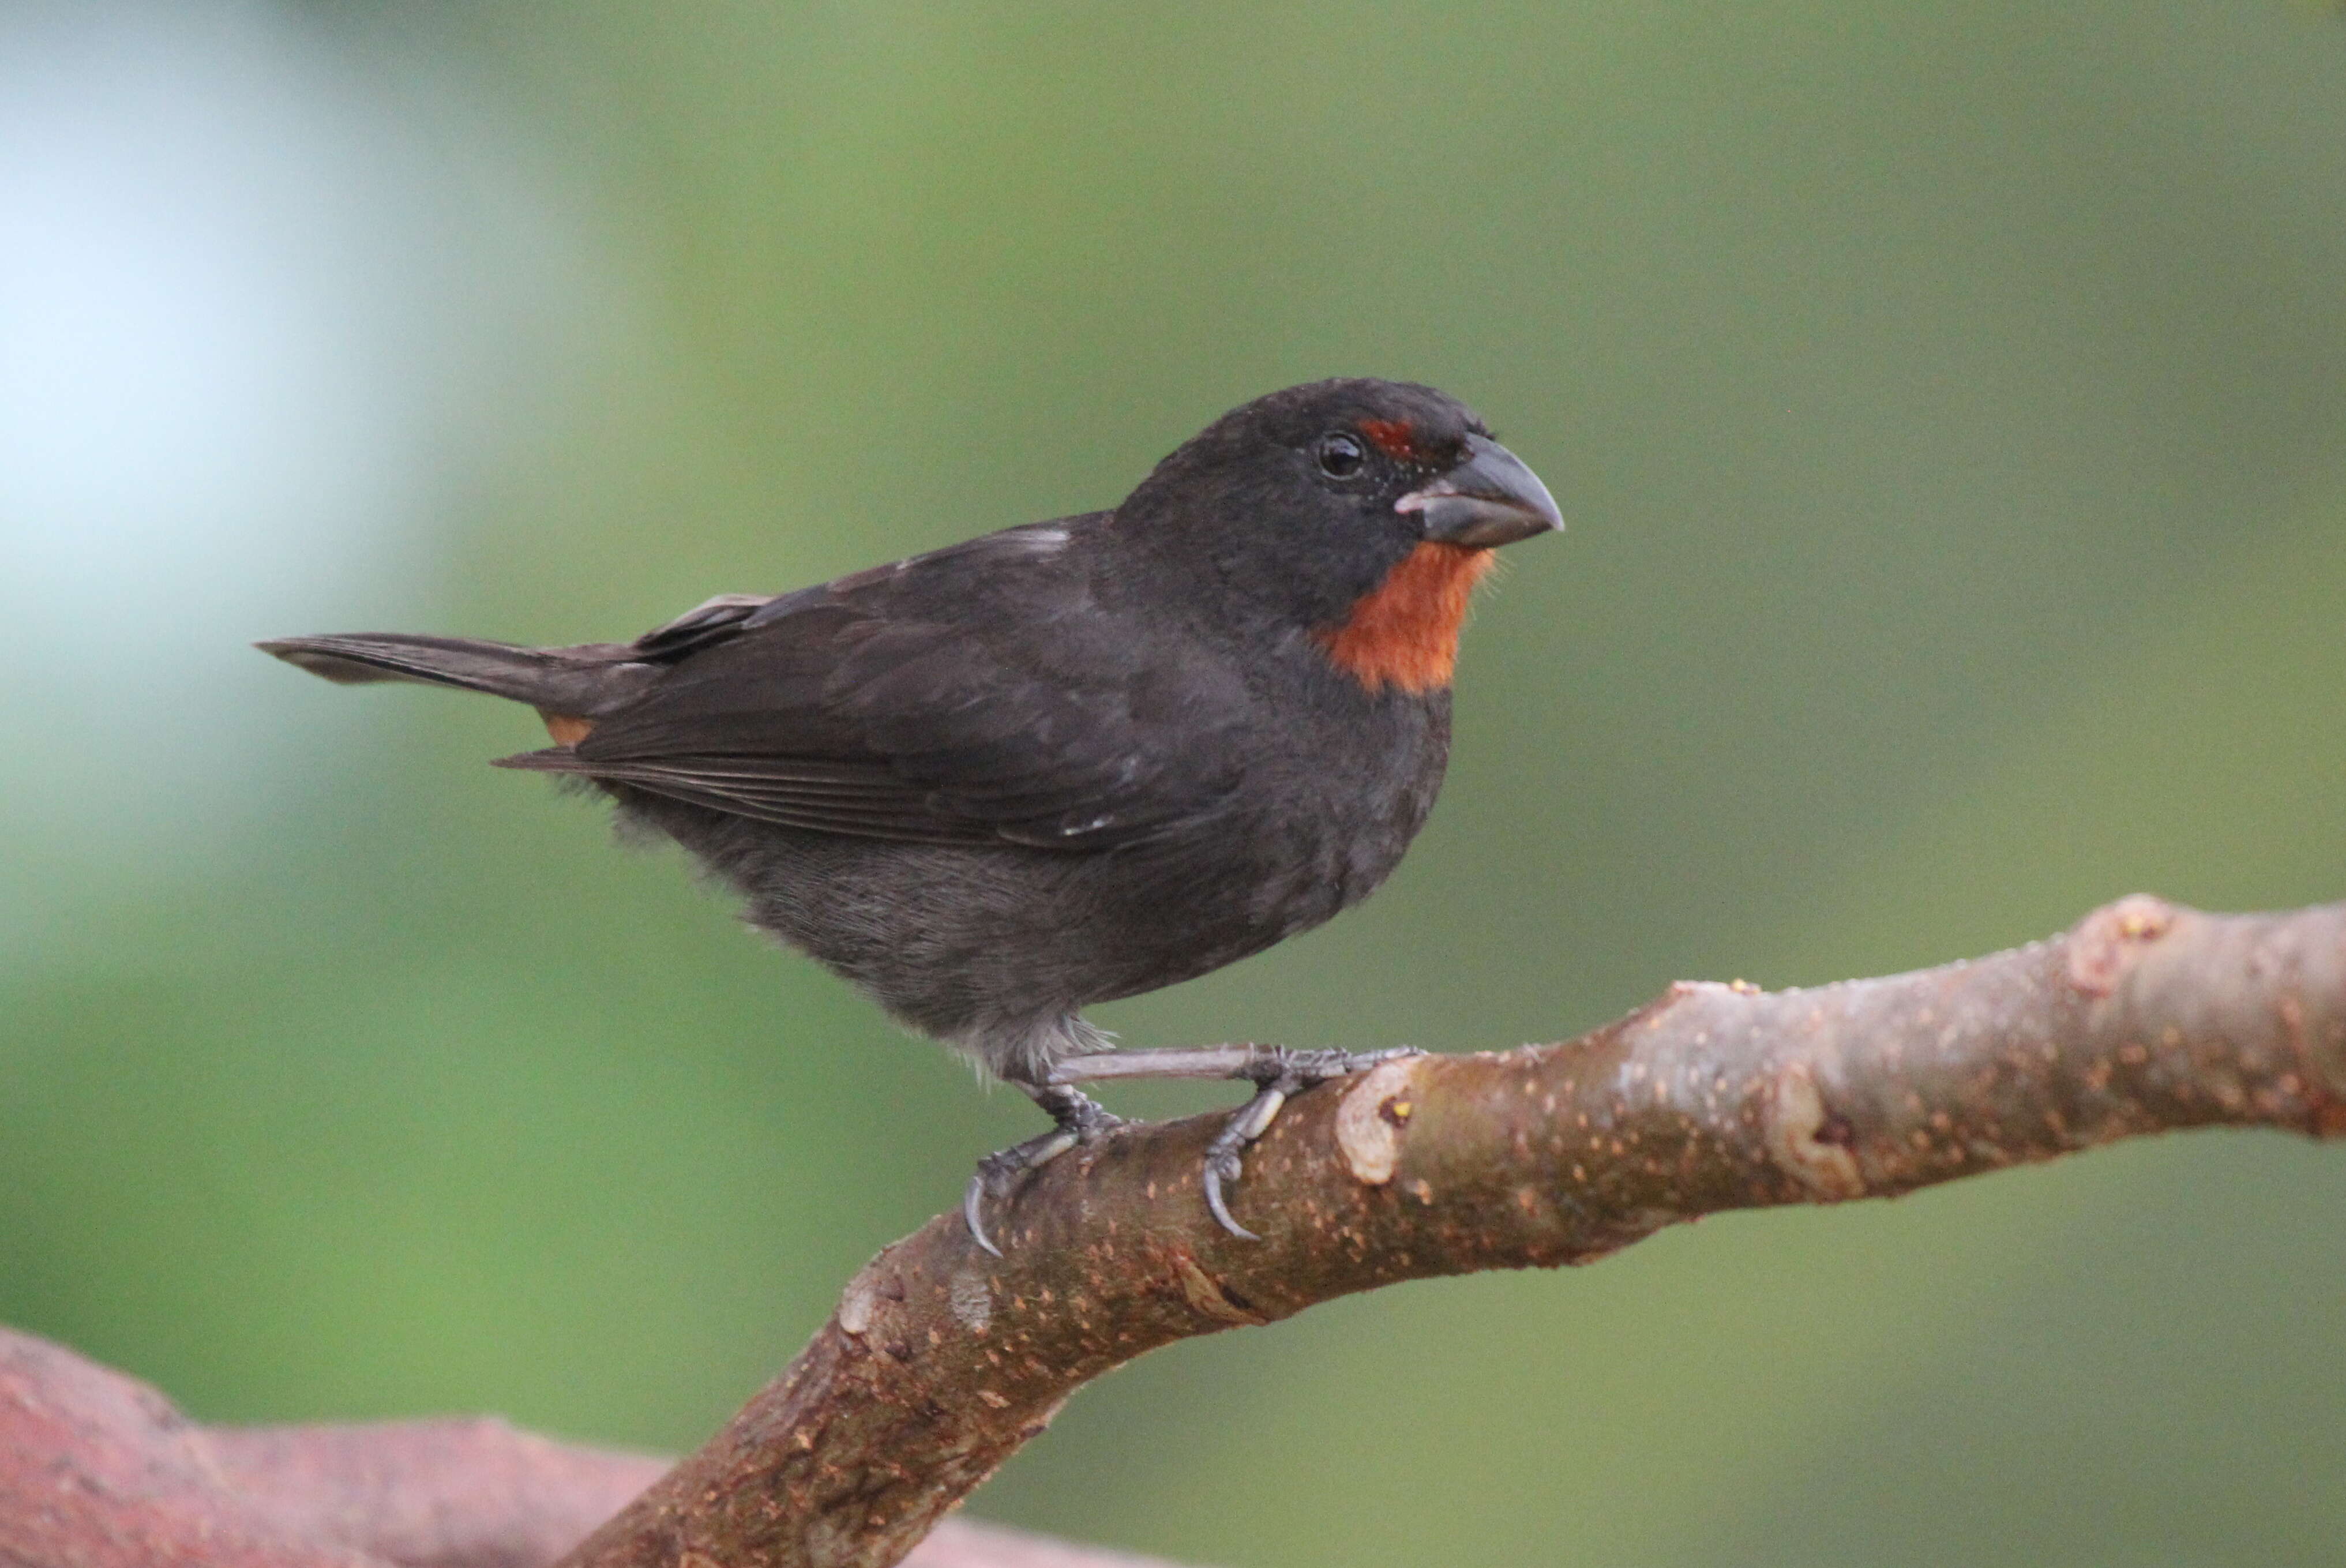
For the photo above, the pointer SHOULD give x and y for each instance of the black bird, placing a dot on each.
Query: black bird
(1070, 761)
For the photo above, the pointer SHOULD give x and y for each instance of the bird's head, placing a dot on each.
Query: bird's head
(1361, 512)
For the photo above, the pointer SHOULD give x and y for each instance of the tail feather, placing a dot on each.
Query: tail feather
(566, 680)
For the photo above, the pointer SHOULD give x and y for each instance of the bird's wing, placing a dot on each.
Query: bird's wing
(976, 695)
(707, 623)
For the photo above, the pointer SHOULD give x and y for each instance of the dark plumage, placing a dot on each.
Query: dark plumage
(1064, 762)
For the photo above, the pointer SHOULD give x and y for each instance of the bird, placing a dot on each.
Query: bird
(1068, 762)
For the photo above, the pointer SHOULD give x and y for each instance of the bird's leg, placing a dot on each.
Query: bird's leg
(1077, 1118)
(1275, 1071)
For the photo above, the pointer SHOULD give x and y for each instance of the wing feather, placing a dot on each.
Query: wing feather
(978, 694)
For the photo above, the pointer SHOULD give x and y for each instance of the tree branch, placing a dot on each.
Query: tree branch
(940, 1360)
(98, 1470)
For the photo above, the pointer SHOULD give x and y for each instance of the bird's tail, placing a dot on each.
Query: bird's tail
(561, 680)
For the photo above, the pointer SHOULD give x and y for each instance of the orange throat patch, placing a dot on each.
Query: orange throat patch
(1404, 631)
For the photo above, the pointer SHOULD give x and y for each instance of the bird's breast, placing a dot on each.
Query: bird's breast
(1336, 810)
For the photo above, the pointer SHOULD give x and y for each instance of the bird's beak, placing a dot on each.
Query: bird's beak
(1488, 499)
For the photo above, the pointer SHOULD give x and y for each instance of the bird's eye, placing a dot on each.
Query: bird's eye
(1341, 456)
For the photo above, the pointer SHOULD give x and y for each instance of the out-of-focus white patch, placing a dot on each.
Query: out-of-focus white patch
(254, 298)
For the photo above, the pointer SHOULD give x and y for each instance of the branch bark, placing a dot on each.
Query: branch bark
(940, 1360)
(98, 1470)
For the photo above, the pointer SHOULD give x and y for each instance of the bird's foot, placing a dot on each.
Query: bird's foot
(1079, 1119)
(1276, 1073)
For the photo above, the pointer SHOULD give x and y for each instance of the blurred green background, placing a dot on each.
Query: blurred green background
(1947, 402)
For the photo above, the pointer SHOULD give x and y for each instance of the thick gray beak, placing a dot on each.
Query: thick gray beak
(1490, 499)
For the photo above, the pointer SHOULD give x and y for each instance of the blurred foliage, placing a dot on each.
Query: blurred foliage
(1946, 401)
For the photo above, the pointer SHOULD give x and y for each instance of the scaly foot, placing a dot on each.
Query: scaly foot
(1078, 1119)
(1275, 1071)
(1276, 1074)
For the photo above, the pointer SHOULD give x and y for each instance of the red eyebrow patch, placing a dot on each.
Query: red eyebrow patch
(1396, 438)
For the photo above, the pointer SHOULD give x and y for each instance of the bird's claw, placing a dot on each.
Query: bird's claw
(1276, 1074)
(1221, 1167)
(1081, 1120)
